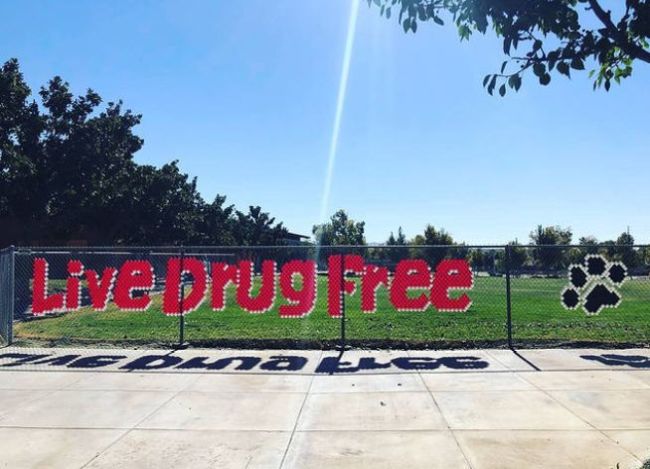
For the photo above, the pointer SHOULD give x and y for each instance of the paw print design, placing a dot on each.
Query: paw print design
(594, 284)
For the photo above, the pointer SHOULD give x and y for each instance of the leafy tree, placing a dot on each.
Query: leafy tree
(607, 248)
(399, 241)
(258, 228)
(542, 36)
(545, 238)
(67, 173)
(576, 255)
(625, 239)
(62, 169)
(481, 259)
(589, 243)
(644, 256)
(395, 255)
(20, 129)
(624, 250)
(621, 249)
(162, 204)
(433, 237)
(340, 230)
(518, 257)
(217, 224)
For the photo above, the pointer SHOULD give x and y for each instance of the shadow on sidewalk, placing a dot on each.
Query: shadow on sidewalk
(614, 359)
(231, 361)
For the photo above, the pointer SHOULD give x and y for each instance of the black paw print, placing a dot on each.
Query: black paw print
(594, 284)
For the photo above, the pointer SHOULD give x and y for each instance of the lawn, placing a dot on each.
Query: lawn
(537, 316)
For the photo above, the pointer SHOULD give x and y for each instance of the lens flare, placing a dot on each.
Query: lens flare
(340, 104)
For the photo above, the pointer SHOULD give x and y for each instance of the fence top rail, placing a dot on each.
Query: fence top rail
(187, 249)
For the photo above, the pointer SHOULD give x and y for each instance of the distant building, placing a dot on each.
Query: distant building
(294, 239)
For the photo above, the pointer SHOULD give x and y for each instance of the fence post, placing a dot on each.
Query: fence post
(508, 297)
(7, 294)
(12, 298)
(181, 316)
(342, 290)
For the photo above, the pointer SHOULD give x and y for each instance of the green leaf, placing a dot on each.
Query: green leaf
(502, 90)
(406, 24)
(464, 32)
(438, 20)
(503, 65)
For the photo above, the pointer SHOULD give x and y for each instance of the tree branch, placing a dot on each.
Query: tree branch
(620, 38)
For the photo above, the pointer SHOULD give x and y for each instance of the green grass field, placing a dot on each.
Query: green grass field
(537, 315)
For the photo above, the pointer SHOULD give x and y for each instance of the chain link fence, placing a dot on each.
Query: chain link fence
(588, 294)
(311, 296)
(6, 294)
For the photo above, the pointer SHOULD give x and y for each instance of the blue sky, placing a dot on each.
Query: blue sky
(244, 95)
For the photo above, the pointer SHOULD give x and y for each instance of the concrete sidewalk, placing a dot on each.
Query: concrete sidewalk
(112, 408)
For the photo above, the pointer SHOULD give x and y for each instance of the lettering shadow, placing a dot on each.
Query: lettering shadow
(237, 363)
(614, 359)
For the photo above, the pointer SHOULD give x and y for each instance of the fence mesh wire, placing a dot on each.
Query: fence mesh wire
(435, 324)
(566, 294)
(6, 294)
(395, 296)
(237, 327)
(89, 325)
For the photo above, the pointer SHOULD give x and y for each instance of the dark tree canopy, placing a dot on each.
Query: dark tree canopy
(544, 238)
(399, 241)
(257, 228)
(517, 256)
(340, 230)
(434, 237)
(67, 174)
(542, 36)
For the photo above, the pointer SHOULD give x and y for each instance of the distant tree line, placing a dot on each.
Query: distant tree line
(68, 175)
(548, 249)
